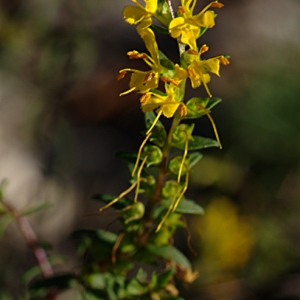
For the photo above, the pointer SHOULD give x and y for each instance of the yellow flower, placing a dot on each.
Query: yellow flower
(140, 14)
(143, 81)
(198, 70)
(187, 27)
(167, 104)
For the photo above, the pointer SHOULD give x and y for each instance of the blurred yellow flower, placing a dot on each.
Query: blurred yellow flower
(227, 239)
(187, 27)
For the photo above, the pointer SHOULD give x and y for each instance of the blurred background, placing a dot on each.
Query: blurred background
(61, 120)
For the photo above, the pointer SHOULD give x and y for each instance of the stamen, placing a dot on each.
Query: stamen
(212, 123)
(181, 10)
(127, 92)
(148, 77)
(212, 4)
(224, 60)
(203, 49)
(166, 79)
(184, 155)
(136, 55)
(182, 110)
(145, 98)
(138, 180)
(217, 4)
(140, 152)
(184, 188)
(193, 5)
(192, 51)
(121, 74)
(154, 122)
(166, 215)
(119, 197)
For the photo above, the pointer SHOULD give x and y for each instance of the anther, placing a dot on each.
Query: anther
(121, 74)
(181, 10)
(217, 4)
(224, 60)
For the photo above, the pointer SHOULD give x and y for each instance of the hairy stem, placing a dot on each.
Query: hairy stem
(32, 242)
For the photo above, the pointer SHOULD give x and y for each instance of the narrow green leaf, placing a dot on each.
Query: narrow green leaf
(36, 208)
(120, 204)
(159, 29)
(186, 206)
(195, 106)
(170, 253)
(100, 235)
(197, 143)
(213, 102)
(164, 278)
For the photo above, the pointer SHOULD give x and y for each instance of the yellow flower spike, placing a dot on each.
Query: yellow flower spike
(184, 188)
(186, 146)
(119, 197)
(212, 123)
(140, 152)
(138, 180)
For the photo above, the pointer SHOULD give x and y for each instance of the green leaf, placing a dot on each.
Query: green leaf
(185, 206)
(159, 29)
(99, 235)
(96, 280)
(170, 253)
(195, 106)
(190, 161)
(120, 204)
(36, 208)
(163, 13)
(197, 143)
(213, 102)
(164, 278)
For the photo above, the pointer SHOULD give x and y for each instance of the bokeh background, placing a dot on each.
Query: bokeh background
(61, 120)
